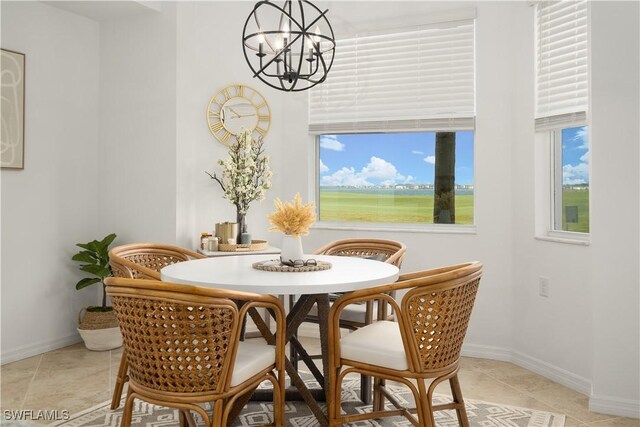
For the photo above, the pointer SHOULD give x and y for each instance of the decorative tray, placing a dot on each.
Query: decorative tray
(276, 265)
(256, 245)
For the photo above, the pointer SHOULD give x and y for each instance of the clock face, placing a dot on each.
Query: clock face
(238, 107)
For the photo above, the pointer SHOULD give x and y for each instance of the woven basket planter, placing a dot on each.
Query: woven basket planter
(100, 330)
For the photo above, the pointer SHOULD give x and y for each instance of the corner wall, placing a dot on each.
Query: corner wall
(553, 335)
(137, 149)
(53, 203)
(615, 276)
(585, 334)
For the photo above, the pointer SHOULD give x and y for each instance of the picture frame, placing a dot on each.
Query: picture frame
(12, 109)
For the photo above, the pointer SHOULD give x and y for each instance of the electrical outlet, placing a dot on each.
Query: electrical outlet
(543, 285)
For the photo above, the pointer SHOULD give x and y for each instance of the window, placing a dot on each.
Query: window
(561, 108)
(394, 127)
(571, 180)
(390, 177)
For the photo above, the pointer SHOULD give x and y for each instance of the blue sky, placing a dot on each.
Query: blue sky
(575, 156)
(380, 159)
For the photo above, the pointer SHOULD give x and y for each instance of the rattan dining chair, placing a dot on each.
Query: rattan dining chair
(358, 315)
(183, 348)
(389, 251)
(142, 261)
(424, 343)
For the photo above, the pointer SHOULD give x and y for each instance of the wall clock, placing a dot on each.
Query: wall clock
(235, 107)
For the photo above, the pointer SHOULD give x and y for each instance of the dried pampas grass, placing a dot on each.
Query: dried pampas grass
(293, 218)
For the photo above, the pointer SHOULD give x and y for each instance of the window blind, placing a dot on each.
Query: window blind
(422, 78)
(561, 71)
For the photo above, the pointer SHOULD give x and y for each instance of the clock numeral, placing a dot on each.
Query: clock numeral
(261, 131)
(226, 93)
(216, 127)
(225, 137)
(261, 105)
(240, 90)
(213, 114)
(263, 118)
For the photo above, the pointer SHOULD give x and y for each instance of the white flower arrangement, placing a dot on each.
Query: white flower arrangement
(245, 172)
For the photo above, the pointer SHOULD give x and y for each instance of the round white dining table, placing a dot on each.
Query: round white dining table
(236, 273)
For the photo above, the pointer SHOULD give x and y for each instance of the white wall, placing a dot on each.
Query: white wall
(209, 58)
(53, 203)
(490, 329)
(585, 335)
(615, 43)
(138, 127)
(557, 330)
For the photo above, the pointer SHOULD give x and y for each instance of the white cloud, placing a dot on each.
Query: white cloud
(430, 159)
(323, 167)
(578, 174)
(582, 136)
(417, 152)
(331, 142)
(345, 176)
(377, 169)
(575, 174)
(585, 157)
(380, 169)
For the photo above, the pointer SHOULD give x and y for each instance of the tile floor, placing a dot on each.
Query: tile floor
(74, 379)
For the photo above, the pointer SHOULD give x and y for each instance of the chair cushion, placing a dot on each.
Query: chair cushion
(251, 358)
(354, 312)
(379, 344)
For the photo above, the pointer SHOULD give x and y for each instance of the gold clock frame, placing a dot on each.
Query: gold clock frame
(224, 121)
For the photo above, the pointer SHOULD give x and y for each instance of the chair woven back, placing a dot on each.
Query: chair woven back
(174, 339)
(438, 313)
(145, 260)
(391, 251)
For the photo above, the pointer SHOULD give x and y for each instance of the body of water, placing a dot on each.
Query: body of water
(388, 191)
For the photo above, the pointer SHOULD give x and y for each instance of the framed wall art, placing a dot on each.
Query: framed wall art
(12, 109)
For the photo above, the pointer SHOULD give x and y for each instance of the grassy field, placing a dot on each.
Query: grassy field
(579, 198)
(368, 207)
(362, 207)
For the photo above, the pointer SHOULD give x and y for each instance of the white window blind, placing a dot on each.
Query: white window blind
(422, 78)
(561, 71)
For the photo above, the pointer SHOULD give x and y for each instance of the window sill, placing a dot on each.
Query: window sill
(566, 237)
(402, 228)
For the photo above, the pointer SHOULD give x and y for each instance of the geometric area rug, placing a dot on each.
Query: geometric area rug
(297, 414)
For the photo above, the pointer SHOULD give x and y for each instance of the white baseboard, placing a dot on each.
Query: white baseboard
(38, 348)
(486, 352)
(615, 406)
(547, 370)
(540, 367)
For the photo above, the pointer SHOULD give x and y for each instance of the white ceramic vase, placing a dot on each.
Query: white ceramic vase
(291, 248)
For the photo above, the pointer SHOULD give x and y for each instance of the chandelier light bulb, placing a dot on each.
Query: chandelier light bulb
(278, 43)
(285, 29)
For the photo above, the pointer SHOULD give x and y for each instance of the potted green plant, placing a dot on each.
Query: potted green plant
(98, 327)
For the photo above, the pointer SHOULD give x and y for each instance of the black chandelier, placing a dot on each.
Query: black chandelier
(289, 48)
